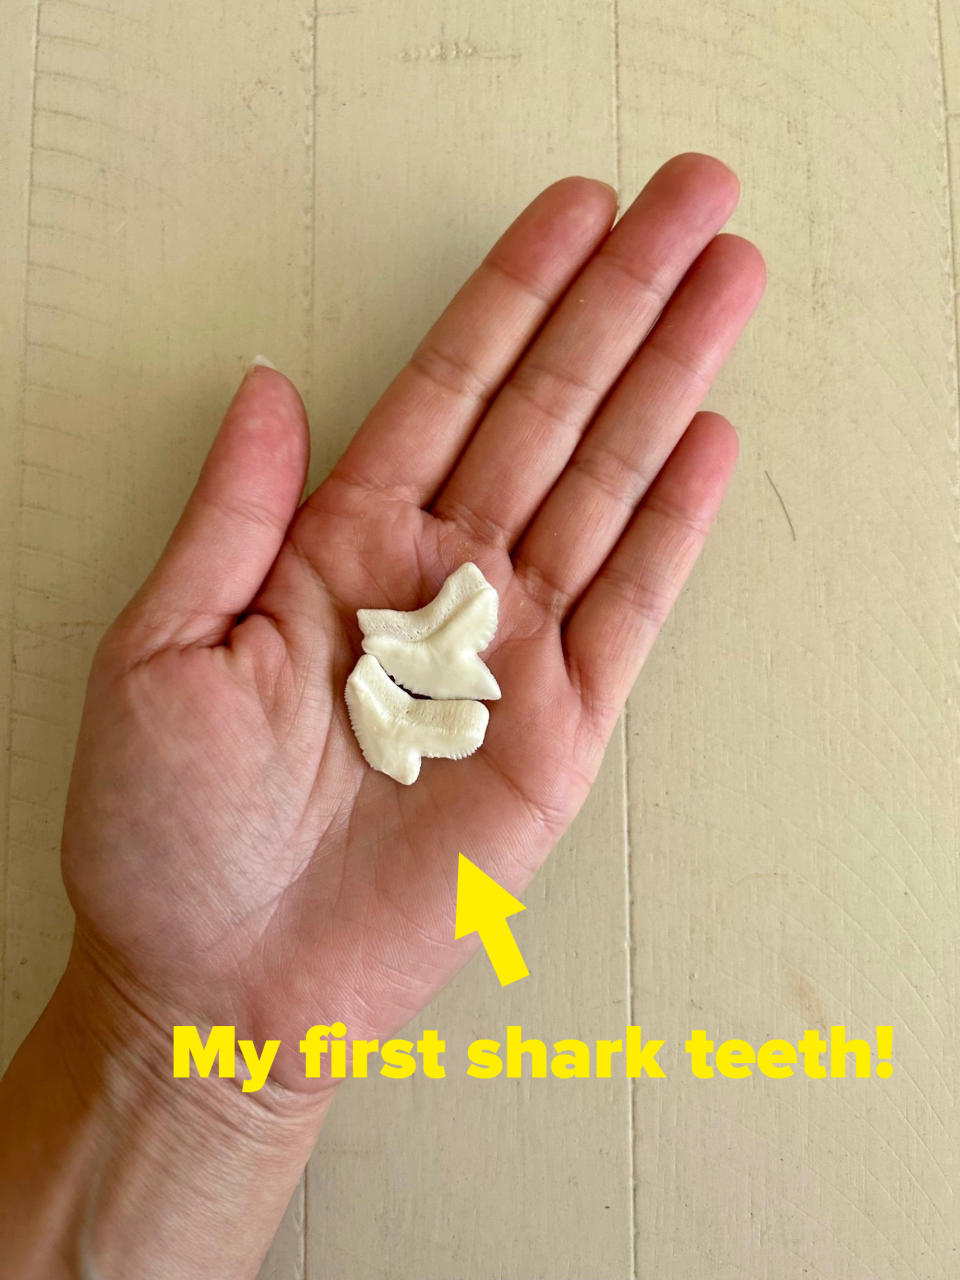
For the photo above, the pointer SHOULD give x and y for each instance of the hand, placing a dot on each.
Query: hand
(230, 856)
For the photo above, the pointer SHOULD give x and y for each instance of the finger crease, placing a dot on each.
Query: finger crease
(650, 602)
(576, 398)
(451, 374)
(642, 281)
(670, 511)
(471, 522)
(612, 474)
(679, 362)
(545, 593)
(246, 513)
(526, 283)
(555, 416)
(364, 484)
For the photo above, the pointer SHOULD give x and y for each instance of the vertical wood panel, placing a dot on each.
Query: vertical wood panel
(208, 181)
(467, 1178)
(17, 48)
(170, 167)
(164, 250)
(435, 124)
(793, 745)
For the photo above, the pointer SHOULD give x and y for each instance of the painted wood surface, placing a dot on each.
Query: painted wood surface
(773, 841)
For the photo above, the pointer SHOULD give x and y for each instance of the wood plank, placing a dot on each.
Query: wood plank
(167, 245)
(17, 42)
(460, 1177)
(948, 14)
(793, 743)
(164, 251)
(435, 124)
(794, 814)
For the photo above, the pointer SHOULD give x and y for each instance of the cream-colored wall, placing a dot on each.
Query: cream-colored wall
(773, 843)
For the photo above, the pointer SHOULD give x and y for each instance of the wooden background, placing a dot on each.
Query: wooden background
(774, 840)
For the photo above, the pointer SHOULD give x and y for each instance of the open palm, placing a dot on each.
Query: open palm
(231, 857)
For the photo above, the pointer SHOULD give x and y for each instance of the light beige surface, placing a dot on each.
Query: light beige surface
(183, 185)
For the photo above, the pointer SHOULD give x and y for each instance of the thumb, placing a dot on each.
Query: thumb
(234, 522)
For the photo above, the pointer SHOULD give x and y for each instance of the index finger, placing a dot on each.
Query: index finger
(417, 429)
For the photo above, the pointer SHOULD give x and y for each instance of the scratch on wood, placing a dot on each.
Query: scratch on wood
(444, 51)
(783, 505)
(44, 74)
(312, 15)
(98, 8)
(77, 195)
(78, 40)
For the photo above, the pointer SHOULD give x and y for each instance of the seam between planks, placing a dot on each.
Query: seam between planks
(953, 286)
(628, 892)
(615, 86)
(949, 212)
(947, 180)
(310, 208)
(953, 293)
(309, 323)
(625, 717)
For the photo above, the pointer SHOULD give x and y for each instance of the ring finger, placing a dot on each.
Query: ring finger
(636, 431)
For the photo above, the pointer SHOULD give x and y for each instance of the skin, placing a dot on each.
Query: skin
(230, 856)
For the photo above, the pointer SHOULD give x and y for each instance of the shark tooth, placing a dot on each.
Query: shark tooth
(395, 730)
(434, 650)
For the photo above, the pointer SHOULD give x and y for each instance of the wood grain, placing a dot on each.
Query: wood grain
(166, 242)
(424, 1180)
(17, 45)
(793, 744)
(182, 186)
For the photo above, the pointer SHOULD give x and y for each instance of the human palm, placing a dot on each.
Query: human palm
(231, 857)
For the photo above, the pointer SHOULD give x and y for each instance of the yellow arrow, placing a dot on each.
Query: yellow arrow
(483, 907)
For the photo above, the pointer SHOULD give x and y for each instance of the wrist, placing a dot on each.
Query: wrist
(116, 1165)
(113, 1033)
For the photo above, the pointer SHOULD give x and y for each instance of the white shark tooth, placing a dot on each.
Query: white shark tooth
(434, 650)
(394, 730)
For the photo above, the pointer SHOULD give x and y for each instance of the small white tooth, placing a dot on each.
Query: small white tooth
(434, 650)
(395, 731)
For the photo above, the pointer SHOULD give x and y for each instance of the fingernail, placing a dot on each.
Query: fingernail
(616, 194)
(258, 362)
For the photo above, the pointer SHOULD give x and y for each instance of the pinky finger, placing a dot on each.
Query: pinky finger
(613, 628)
